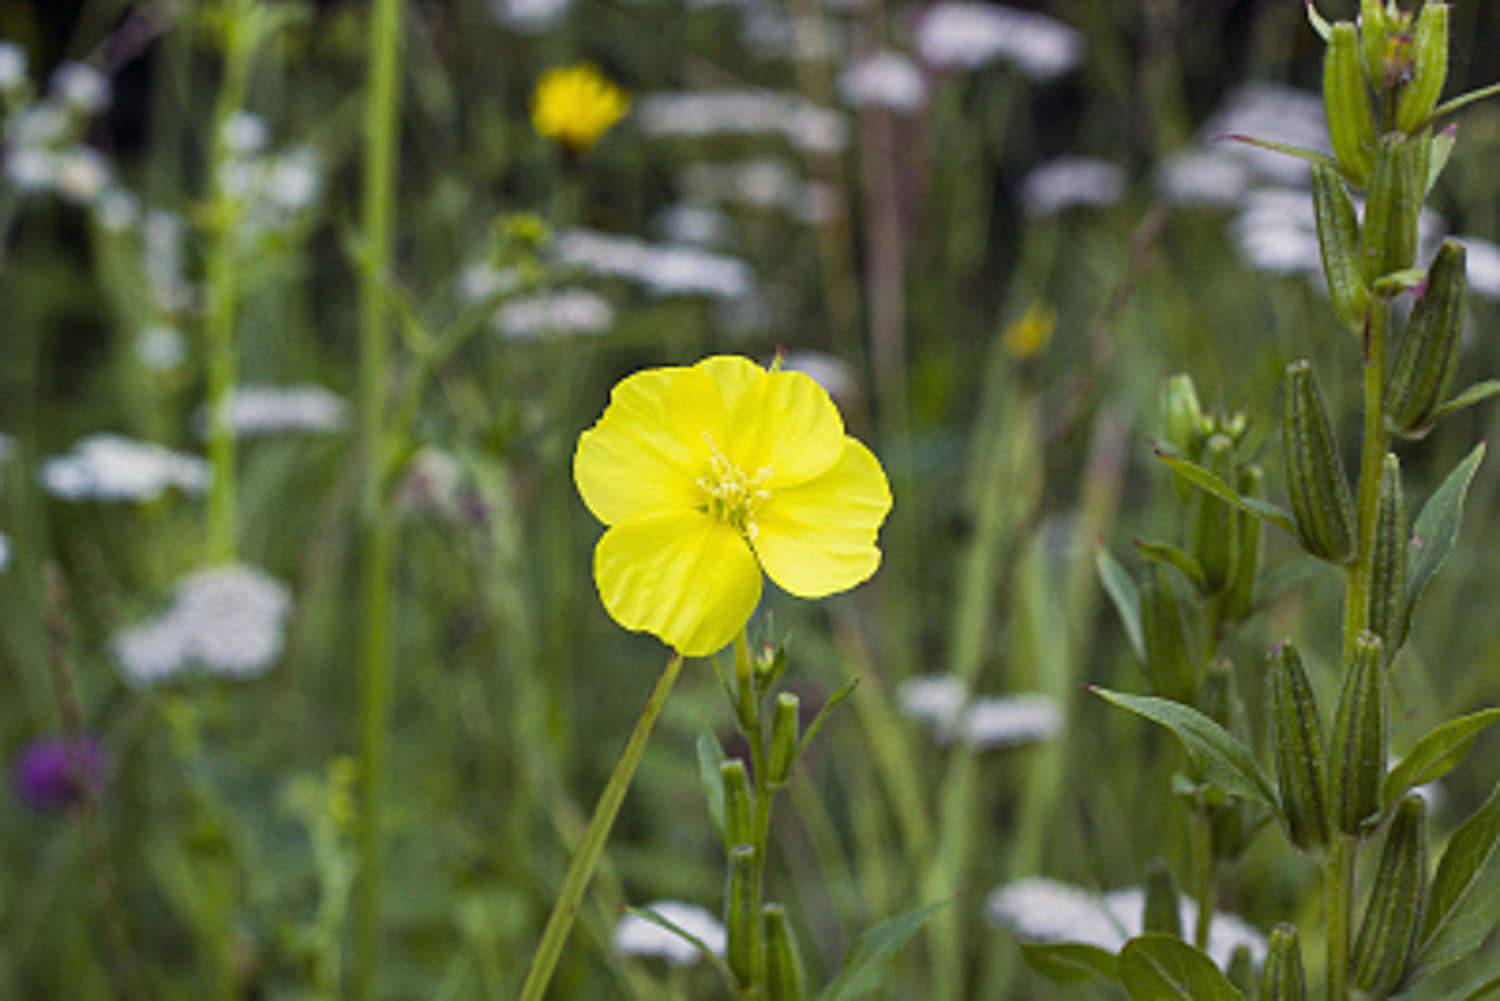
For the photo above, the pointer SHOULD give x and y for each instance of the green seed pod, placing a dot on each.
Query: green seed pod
(1374, 40)
(786, 977)
(1248, 547)
(738, 804)
(1428, 356)
(1346, 101)
(1213, 522)
(1282, 979)
(783, 739)
(741, 922)
(1241, 970)
(1297, 743)
(1389, 931)
(1163, 907)
(1339, 246)
(1356, 758)
(1170, 662)
(1321, 499)
(1394, 201)
(1429, 55)
(1181, 416)
(1388, 563)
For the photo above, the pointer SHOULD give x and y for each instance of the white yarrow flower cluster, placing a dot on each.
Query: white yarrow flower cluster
(163, 238)
(692, 223)
(13, 66)
(1274, 112)
(276, 188)
(260, 410)
(1037, 909)
(1195, 178)
(1484, 267)
(967, 36)
(246, 132)
(43, 155)
(1069, 182)
(529, 17)
(942, 702)
(661, 269)
(1276, 231)
(81, 88)
(555, 313)
(481, 281)
(107, 467)
(885, 80)
(763, 183)
(636, 936)
(228, 621)
(161, 348)
(698, 114)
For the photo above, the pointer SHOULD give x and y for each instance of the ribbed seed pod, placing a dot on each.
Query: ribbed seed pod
(1429, 55)
(1241, 970)
(1163, 907)
(739, 803)
(1321, 499)
(743, 949)
(1249, 549)
(783, 738)
(1394, 912)
(1374, 41)
(1428, 355)
(1181, 415)
(1282, 979)
(1346, 101)
(1398, 183)
(1297, 744)
(1170, 662)
(1339, 246)
(1388, 562)
(1213, 521)
(1356, 757)
(786, 977)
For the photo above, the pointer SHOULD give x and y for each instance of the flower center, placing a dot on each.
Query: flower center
(729, 495)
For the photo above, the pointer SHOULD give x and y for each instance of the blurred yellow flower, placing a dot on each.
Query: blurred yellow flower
(1030, 335)
(575, 105)
(708, 474)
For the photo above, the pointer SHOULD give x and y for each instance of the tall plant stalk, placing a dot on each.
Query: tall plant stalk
(377, 526)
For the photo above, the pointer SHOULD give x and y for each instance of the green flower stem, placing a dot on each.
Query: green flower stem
(222, 287)
(1338, 895)
(754, 732)
(377, 525)
(1372, 455)
(586, 858)
(1203, 866)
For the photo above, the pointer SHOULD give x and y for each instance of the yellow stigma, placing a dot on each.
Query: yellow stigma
(729, 495)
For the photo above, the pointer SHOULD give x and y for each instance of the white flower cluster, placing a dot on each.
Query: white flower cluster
(482, 280)
(276, 188)
(82, 88)
(885, 80)
(107, 467)
(1276, 231)
(773, 35)
(636, 936)
(260, 410)
(161, 348)
(967, 36)
(943, 703)
(43, 151)
(661, 269)
(763, 183)
(228, 621)
(529, 17)
(1069, 182)
(14, 66)
(1037, 909)
(692, 223)
(1484, 267)
(555, 313)
(163, 237)
(697, 114)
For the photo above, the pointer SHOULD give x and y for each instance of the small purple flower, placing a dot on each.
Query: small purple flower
(52, 775)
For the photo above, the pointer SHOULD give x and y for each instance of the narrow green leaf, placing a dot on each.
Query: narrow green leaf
(1464, 902)
(863, 967)
(1218, 754)
(834, 701)
(1477, 393)
(1207, 481)
(1436, 754)
(717, 961)
(1286, 149)
(1173, 556)
(1400, 281)
(1318, 21)
(1442, 149)
(710, 757)
(1464, 100)
(1124, 595)
(1436, 530)
(1066, 963)
(1161, 968)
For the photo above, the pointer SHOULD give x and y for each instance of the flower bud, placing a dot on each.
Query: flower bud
(1297, 743)
(783, 739)
(1393, 202)
(1248, 546)
(738, 804)
(1429, 55)
(1392, 916)
(786, 977)
(1356, 760)
(1388, 562)
(1321, 499)
(1213, 522)
(1428, 355)
(742, 923)
(1281, 978)
(1346, 102)
(1339, 246)
(1181, 416)
(1163, 907)
(1170, 663)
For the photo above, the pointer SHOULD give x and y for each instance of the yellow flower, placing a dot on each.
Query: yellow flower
(1030, 335)
(707, 474)
(575, 105)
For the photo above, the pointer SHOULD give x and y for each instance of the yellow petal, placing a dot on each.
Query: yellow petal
(681, 576)
(782, 423)
(819, 538)
(653, 442)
